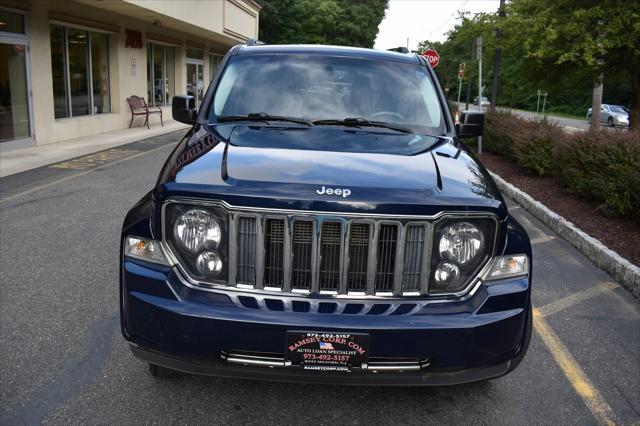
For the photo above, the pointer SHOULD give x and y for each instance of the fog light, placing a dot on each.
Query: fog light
(508, 267)
(446, 273)
(209, 263)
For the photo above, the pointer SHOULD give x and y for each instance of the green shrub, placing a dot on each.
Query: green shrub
(602, 165)
(501, 129)
(533, 148)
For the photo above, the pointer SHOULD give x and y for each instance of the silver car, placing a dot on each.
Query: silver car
(611, 115)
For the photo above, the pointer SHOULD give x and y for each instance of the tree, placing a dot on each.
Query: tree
(340, 22)
(596, 36)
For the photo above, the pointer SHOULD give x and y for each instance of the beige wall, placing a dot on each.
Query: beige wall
(122, 83)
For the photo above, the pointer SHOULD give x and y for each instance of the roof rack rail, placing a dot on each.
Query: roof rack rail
(254, 42)
(400, 49)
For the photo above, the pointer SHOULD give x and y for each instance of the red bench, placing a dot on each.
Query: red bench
(139, 107)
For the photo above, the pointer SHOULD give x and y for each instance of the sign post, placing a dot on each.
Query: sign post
(432, 57)
(479, 55)
(460, 77)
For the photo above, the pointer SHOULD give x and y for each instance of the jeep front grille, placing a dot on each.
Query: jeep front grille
(329, 254)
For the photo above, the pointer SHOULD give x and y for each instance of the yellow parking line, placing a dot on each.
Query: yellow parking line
(572, 371)
(77, 175)
(575, 298)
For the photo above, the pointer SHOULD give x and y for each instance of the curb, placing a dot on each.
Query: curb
(623, 271)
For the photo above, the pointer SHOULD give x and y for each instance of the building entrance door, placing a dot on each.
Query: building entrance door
(15, 112)
(195, 80)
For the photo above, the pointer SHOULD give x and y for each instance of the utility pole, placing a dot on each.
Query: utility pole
(496, 60)
(473, 45)
(479, 54)
(460, 77)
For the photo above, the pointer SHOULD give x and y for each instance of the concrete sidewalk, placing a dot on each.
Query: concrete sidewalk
(20, 160)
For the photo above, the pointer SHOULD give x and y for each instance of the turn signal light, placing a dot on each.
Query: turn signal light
(507, 267)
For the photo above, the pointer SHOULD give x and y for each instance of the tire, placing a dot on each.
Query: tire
(610, 122)
(589, 120)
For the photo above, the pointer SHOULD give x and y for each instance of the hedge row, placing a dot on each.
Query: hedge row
(602, 165)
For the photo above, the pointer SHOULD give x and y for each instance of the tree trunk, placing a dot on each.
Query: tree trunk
(596, 103)
(496, 61)
(634, 115)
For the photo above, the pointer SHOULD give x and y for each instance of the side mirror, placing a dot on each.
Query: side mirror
(471, 124)
(183, 109)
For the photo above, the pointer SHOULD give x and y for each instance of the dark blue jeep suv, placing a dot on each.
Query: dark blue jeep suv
(323, 222)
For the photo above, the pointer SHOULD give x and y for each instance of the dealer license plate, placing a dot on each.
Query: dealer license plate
(326, 351)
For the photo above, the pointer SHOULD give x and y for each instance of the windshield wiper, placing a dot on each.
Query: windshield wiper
(261, 116)
(362, 122)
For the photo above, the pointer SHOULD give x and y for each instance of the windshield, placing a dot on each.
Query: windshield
(323, 88)
(615, 108)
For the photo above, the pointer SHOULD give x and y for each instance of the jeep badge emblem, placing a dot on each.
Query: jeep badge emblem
(345, 192)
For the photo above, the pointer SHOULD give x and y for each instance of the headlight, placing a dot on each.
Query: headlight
(197, 236)
(461, 248)
(461, 243)
(197, 228)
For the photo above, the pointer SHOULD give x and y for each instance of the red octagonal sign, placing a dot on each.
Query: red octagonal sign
(432, 57)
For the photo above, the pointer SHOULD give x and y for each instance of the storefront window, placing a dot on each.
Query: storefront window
(195, 54)
(59, 71)
(11, 22)
(160, 74)
(78, 72)
(80, 68)
(214, 63)
(100, 73)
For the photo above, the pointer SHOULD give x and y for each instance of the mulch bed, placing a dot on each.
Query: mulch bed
(620, 235)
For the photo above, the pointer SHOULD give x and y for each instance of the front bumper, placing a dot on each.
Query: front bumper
(173, 325)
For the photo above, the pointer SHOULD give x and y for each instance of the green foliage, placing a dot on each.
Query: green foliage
(533, 150)
(501, 130)
(551, 45)
(604, 166)
(339, 22)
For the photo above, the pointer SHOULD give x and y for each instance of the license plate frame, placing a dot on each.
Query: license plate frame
(326, 350)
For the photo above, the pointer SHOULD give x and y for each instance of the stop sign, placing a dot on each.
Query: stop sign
(432, 57)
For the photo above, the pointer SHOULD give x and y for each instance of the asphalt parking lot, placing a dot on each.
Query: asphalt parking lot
(63, 359)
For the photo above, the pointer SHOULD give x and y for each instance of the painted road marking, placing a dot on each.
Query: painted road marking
(572, 371)
(77, 175)
(95, 159)
(575, 298)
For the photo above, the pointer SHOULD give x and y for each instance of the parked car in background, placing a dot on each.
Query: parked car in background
(323, 222)
(484, 101)
(612, 115)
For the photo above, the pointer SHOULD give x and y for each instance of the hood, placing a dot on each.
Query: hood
(328, 169)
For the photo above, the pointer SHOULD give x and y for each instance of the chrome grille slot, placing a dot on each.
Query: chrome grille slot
(246, 271)
(274, 233)
(413, 255)
(330, 251)
(302, 248)
(386, 262)
(359, 235)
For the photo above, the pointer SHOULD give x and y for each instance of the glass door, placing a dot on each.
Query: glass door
(15, 114)
(195, 80)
